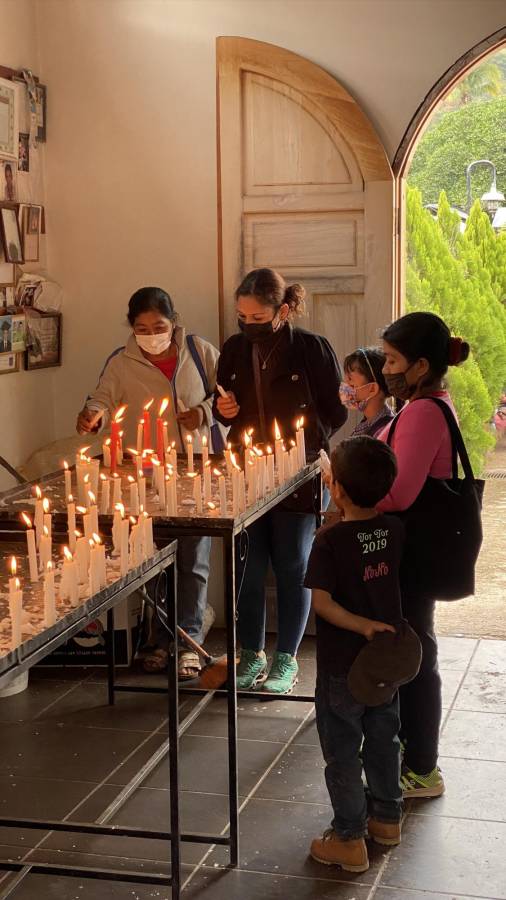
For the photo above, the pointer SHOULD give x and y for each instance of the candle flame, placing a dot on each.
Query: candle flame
(211, 505)
(163, 406)
(49, 566)
(70, 498)
(204, 440)
(208, 463)
(45, 505)
(141, 510)
(246, 439)
(96, 538)
(83, 450)
(18, 584)
(218, 473)
(38, 492)
(103, 477)
(91, 543)
(132, 451)
(26, 520)
(121, 509)
(268, 448)
(77, 533)
(133, 521)
(67, 553)
(149, 405)
(107, 442)
(45, 529)
(147, 452)
(82, 510)
(189, 439)
(131, 479)
(14, 566)
(86, 479)
(155, 461)
(115, 475)
(258, 451)
(92, 497)
(65, 464)
(191, 474)
(118, 415)
(292, 442)
(229, 446)
(277, 433)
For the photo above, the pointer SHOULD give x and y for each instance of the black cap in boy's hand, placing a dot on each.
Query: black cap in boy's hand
(384, 664)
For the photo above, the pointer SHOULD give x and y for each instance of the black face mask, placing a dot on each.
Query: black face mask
(257, 331)
(398, 386)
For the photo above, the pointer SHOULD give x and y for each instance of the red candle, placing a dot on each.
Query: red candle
(159, 429)
(147, 424)
(115, 436)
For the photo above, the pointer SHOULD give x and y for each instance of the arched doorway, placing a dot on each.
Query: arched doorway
(305, 187)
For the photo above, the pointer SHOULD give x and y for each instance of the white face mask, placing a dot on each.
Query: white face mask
(154, 344)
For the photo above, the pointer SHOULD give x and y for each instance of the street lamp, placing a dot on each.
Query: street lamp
(493, 198)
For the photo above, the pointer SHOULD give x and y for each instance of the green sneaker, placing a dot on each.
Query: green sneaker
(252, 669)
(430, 785)
(282, 675)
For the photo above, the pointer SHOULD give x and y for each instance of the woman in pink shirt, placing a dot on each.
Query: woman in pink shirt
(418, 349)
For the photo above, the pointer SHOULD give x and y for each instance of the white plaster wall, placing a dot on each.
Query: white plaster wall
(26, 399)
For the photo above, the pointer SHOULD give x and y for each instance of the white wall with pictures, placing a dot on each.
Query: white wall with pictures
(26, 397)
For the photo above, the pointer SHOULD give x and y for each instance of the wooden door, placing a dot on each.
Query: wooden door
(305, 187)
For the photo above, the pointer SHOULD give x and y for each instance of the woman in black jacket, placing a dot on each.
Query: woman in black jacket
(274, 371)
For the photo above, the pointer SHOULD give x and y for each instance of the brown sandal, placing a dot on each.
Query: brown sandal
(156, 661)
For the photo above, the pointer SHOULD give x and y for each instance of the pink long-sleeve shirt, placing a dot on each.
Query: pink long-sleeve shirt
(422, 444)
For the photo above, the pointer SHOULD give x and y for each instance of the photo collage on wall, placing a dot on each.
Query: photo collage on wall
(25, 330)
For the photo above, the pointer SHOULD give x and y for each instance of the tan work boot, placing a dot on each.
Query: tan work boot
(331, 850)
(388, 833)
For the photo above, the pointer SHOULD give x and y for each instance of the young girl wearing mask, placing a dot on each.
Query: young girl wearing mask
(364, 389)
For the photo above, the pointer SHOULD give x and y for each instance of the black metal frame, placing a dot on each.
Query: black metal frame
(229, 530)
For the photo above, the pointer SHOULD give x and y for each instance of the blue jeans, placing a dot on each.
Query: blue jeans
(192, 576)
(342, 725)
(284, 538)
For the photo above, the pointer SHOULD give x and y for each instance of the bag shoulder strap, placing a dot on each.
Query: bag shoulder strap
(458, 447)
(192, 347)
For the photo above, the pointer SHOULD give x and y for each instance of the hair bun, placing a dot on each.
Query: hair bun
(295, 295)
(458, 351)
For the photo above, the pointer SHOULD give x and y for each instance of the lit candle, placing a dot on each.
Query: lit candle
(32, 550)
(87, 488)
(242, 492)
(123, 555)
(205, 451)
(160, 485)
(12, 580)
(135, 544)
(68, 478)
(294, 458)
(197, 491)
(286, 463)
(207, 481)
(105, 494)
(261, 473)
(170, 495)
(116, 488)
(252, 483)
(86, 521)
(134, 496)
(235, 486)
(71, 521)
(301, 442)
(140, 432)
(45, 550)
(222, 491)
(146, 419)
(115, 437)
(141, 481)
(228, 458)
(101, 556)
(147, 536)
(137, 458)
(270, 469)
(82, 468)
(39, 514)
(15, 606)
(211, 507)
(173, 457)
(69, 586)
(119, 512)
(94, 578)
(278, 451)
(189, 452)
(82, 557)
(160, 447)
(49, 597)
(106, 453)
(93, 511)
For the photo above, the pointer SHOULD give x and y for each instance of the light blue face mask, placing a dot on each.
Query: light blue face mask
(348, 396)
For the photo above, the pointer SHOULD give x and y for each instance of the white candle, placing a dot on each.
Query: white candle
(124, 529)
(13, 579)
(286, 464)
(242, 492)
(106, 453)
(205, 451)
(86, 521)
(68, 478)
(101, 557)
(93, 512)
(39, 514)
(49, 597)
(140, 432)
(173, 457)
(94, 569)
(71, 521)
(32, 550)
(160, 486)
(82, 557)
(294, 459)
(270, 470)
(45, 550)
(134, 496)
(301, 443)
(222, 491)
(69, 586)
(141, 481)
(116, 491)
(252, 483)
(207, 482)
(148, 545)
(119, 512)
(170, 495)
(228, 458)
(261, 474)
(189, 452)
(105, 495)
(278, 451)
(135, 545)
(47, 516)
(197, 493)
(16, 612)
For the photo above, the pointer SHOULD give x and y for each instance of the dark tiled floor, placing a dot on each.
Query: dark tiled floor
(65, 753)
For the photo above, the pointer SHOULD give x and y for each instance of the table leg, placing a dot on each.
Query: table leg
(233, 781)
(110, 656)
(173, 700)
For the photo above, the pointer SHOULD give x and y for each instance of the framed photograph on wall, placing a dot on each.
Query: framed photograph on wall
(9, 362)
(6, 295)
(8, 119)
(8, 180)
(43, 341)
(11, 235)
(30, 228)
(24, 152)
(41, 112)
(6, 269)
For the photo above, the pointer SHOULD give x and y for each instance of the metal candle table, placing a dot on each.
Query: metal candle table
(40, 645)
(229, 530)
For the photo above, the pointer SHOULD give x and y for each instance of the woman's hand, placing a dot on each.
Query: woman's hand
(371, 628)
(228, 406)
(88, 419)
(191, 419)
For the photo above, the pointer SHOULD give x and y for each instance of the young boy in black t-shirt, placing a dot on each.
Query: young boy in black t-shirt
(353, 572)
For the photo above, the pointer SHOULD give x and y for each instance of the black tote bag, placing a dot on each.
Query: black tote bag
(443, 527)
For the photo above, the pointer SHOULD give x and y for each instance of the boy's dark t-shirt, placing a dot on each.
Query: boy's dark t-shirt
(357, 563)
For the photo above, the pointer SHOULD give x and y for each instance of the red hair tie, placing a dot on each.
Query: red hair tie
(455, 351)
